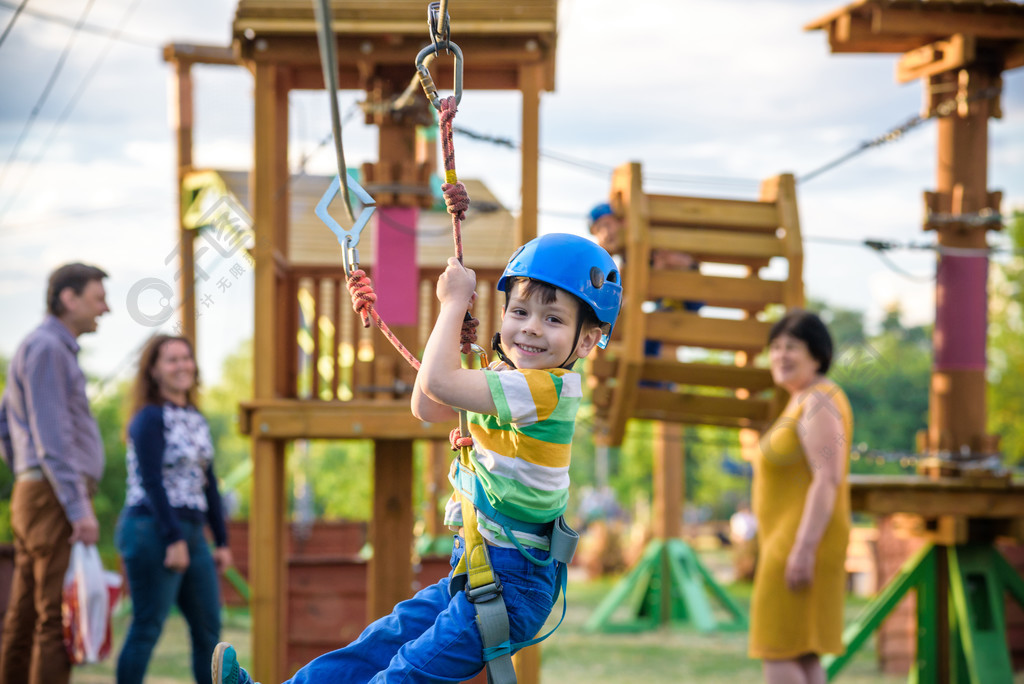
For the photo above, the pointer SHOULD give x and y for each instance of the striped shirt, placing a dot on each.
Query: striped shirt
(45, 421)
(521, 455)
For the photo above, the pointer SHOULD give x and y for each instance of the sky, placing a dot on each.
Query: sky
(714, 94)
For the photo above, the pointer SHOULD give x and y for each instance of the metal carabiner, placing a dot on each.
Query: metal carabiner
(424, 73)
(445, 33)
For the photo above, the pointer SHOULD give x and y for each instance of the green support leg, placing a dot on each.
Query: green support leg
(923, 669)
(976, 590)
(633, 586)
(739, 618)
(978, 578)
(667, 566)
(919, 568)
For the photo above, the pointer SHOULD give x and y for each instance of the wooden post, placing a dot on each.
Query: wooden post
(957, 412)
(390, 571)
(435, 472)
(181, 115)
(268, 551)
(668, 472)
(667, 508)
(531, 81)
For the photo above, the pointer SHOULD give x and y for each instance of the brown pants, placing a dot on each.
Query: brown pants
(32, 651)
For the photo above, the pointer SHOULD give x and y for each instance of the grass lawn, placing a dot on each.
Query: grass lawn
(662, 656)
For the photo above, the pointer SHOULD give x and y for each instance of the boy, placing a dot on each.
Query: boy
(562, 296)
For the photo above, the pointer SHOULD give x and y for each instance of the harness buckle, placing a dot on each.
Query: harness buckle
(487, 592)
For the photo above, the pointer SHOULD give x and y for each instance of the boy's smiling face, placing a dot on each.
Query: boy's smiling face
(536, 334)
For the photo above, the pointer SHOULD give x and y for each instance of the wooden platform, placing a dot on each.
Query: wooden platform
(496, 38)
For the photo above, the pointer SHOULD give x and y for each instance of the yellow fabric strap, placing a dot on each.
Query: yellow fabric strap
(450, 176)
(475, 561)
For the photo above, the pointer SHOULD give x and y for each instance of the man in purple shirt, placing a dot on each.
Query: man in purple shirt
(51, 442)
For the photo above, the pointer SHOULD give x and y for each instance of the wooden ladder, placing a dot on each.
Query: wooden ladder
(721, 386)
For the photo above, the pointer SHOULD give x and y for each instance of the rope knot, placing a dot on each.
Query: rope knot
(363, 296)
(458, 441)
(468, 336)
(446, 110)
(456, 199)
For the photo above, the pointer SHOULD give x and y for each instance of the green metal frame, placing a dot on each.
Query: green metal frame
(672, 566)
(978, 578)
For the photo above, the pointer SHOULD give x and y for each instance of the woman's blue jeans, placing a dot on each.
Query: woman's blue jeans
(154, 589)
(433, 637)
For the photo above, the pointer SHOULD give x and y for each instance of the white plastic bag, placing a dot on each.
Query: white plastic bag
(89, 595)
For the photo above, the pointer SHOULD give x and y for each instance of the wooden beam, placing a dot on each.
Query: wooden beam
(691, 330)
(268, 557)
(668, 210)
(710, 243)
(853, 34)
(708, 374)
(187, 53)
(781, 190)
(824, 21)
(666, 403)
(1013, 58)
(668, 476)
(268, 574)
(715, 290)
(347, 28)
(999, 25)
(628, 197)
(700, 419)
(530, 83)
(181, 117)
(940, 56)
(390, 573)
(932, 498)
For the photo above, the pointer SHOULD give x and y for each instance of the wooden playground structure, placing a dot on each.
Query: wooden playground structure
(352, 385)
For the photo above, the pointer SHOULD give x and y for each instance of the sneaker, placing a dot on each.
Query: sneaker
(224, 666)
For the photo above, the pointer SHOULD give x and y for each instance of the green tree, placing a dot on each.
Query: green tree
(1006, 346)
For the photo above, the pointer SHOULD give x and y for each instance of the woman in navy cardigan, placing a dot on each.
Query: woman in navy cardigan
(172, 496)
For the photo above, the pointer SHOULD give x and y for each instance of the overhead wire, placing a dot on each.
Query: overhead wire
(14, 18)
(83, 85)
(54, 74)
(606, 170)
(85, 27)
(942, 109)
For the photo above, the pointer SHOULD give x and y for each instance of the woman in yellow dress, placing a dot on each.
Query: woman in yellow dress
(801, 498)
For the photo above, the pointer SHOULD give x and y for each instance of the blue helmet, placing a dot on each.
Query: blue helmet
(603, 209)
(576, 265)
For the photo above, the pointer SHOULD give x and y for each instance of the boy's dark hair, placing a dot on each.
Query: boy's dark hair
(809, 329)
(76, 276)
(547, 293)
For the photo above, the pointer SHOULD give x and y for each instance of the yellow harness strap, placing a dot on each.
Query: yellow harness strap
(475, 561)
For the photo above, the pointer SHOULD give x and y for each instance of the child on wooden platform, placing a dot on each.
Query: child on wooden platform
(562, 297)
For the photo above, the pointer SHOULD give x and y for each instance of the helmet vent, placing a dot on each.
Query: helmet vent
(596, 277)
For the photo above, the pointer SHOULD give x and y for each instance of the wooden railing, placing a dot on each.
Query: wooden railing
(334, 358)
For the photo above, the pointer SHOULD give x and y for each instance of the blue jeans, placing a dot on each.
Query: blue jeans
(154, 589)
(433, 637)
